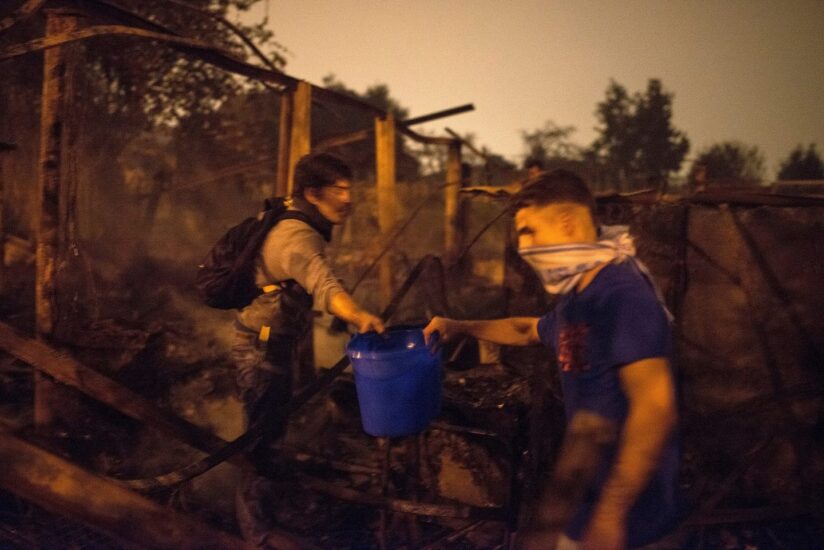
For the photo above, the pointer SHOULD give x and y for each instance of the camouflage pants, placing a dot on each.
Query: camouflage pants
(264, 378)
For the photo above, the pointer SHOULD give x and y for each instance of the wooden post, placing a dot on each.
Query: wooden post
(300, 123)
(2, 229)
(385, 176)
(4, 147)
(300, 139)
(284, 138)
(452, 220)
(52, 123)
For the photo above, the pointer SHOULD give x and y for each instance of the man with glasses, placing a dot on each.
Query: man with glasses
(293, 271)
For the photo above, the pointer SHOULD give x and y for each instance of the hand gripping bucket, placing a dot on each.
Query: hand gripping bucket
(398, 381)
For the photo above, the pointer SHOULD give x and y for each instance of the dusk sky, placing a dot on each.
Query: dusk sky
(751, 71)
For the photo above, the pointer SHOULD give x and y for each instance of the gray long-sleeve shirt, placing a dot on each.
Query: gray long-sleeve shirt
(292, 250)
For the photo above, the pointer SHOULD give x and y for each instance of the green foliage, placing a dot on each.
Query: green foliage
(165, 85)
(637, 140)
(552, 142)
(730, 162)
(128, 94)
(376, 95)
(361, 154)
(138, 81)
(802, 165)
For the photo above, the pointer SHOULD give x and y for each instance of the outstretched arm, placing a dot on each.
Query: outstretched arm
(342, 305)
(511, 331)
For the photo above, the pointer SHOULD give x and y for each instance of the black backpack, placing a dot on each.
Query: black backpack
(226, 277)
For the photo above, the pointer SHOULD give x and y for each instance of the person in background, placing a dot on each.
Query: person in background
(611, 336)
(292, 270)
(533, 167)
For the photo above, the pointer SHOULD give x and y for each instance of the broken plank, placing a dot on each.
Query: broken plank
(462, 511)
(64, 368)
(66, 490)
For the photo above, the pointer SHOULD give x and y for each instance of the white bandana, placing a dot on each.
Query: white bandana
(560, 267)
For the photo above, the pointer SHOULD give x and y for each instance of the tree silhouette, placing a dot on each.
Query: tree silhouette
(638, 143)
(729, 162)
(361, 155)
(552, 142)
(123, 90)
(802, 165)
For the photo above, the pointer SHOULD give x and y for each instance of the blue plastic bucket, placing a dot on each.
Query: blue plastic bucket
(398, 381)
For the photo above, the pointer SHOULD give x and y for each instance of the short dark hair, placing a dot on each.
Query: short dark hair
(317, 170)
(554, 187)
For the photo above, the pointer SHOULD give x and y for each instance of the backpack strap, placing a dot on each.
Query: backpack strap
(325, 230)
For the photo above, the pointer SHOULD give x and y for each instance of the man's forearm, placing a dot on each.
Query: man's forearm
(512, 331)
(644, 435)
(342, 305)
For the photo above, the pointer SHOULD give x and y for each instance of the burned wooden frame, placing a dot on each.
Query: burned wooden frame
(297, 97)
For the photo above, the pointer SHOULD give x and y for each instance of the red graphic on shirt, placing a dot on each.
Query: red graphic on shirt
(572, 348)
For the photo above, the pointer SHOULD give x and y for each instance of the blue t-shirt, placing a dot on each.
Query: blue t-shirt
(614, 321)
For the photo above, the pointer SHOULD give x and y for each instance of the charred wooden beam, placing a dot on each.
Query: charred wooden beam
(462, 511)
(301, 128)
(747, 515)
(385, 175)
(754, 198)
(48, 397)
(284, 142)
(52, 125)
(467, 144)
(714, 197)
(66, 490)
(346, 100)
(453, 230)
(344, 139)
(352, 137)
(303, 457)
(438, 114)
(135, 25)
(300, 145)
(447, 540)
(225, 60)
(231, 26)
(22, 13)
(56, 40)
(454, 428)
(4, 147)
(71, 372)
(215, 56)
(233, 448)
(424, 139)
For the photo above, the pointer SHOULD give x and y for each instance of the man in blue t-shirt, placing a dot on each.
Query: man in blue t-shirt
(611, 336)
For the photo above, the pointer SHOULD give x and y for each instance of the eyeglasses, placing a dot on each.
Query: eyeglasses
(339, 190)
